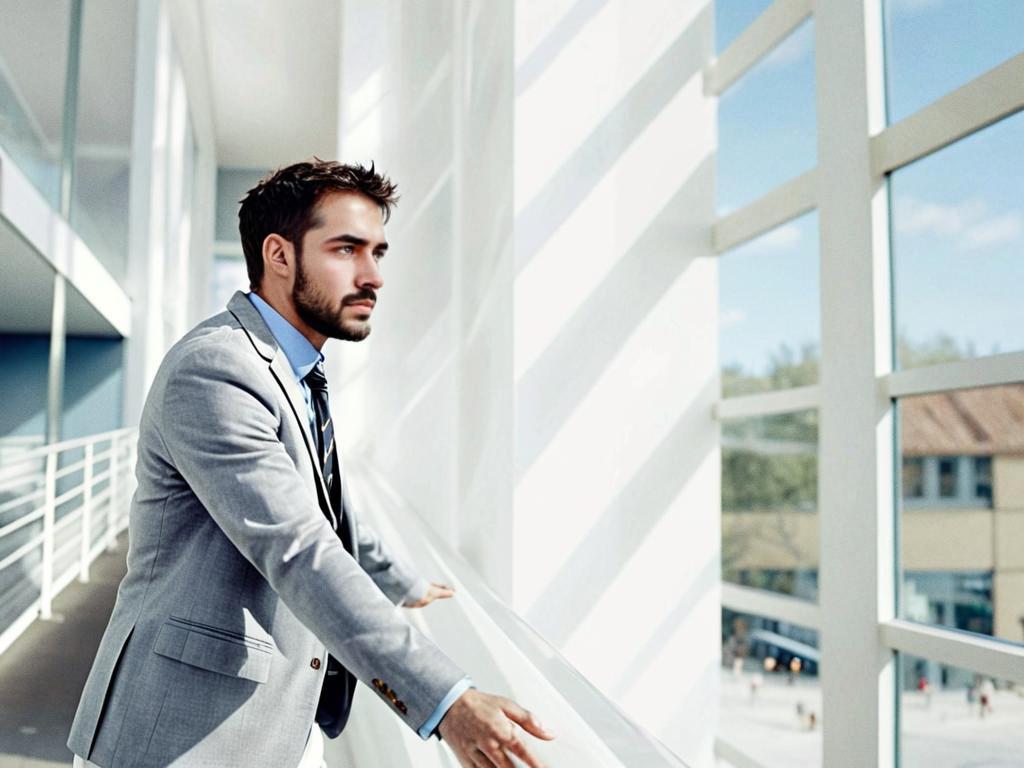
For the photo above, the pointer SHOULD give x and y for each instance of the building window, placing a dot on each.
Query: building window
(948, 475)
(983, 478)
(913, 478)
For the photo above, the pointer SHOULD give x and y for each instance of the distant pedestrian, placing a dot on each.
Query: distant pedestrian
(756, 681)
(986, 691)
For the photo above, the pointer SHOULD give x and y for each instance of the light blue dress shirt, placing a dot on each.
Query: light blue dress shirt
(303, 357)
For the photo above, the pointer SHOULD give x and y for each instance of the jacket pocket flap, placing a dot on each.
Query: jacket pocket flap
(212, 651)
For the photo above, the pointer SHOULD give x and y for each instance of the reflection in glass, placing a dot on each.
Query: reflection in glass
(957, 247)
(962, 535)
(769, 503)
(770, 690)
(935, 46)
(227, 276)
(769, 328)
(33, 68)
(955, 718)
(767, 125)
(103, 134)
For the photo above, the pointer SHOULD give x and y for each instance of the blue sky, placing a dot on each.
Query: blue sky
(958, 215)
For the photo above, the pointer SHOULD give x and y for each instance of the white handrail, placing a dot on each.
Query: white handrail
(105, 510)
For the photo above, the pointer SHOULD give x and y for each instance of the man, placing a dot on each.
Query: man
(254, 598)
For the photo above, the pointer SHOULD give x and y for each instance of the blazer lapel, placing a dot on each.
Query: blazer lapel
(263, 340)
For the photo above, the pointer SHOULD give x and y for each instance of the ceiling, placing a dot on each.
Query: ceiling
(273, 70)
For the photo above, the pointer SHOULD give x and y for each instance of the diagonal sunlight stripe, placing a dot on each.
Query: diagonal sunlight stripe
(550, 390)
(568, 184)
(554, 42)
(607, 223)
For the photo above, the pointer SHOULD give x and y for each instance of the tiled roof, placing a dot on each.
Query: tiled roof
(982, 421)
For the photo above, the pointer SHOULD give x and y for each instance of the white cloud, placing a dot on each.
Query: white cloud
(913, 215)
(971, 222)
(994, 231)
(731, 317)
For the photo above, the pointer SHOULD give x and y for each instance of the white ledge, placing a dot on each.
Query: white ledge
(961, 374)
(46, 232)
(768, 403)
(764, 34)
(782, 204)
(772, 605)
(997, 658)
(981, 102)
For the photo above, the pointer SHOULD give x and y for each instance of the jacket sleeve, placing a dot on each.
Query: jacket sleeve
(219, 422)
(394, 577)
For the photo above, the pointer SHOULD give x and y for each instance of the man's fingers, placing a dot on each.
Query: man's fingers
(519, 749)
(499, 758)
(443, 590)
(526, 719)
(480, 760)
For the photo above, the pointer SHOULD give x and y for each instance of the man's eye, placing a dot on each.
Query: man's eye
(347, 248)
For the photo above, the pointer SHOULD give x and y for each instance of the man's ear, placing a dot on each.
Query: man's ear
(278, 256)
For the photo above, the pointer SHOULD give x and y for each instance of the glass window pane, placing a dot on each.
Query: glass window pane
(227, 276)
(769, 503)
(913, 478)
(771, 691)
(33, 68)
(935, 46)
(770, 310)
(948, 466)
(767, 128)
(958, 221)
(732, 17)
(962, 541)
(954, 718)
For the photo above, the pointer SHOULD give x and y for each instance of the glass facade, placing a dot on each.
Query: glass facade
(103, 132)
(962, 519)
(767, 123)
(769, 310)
(956, 718)
(958, 221)
(33, 70)
(769, 503)
(771, 690)
(935, 46)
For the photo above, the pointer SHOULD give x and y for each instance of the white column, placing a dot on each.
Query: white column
(86, 544)
(49, 513)
(856, 451)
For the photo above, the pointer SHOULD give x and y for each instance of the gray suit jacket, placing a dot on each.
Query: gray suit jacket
(237, 586)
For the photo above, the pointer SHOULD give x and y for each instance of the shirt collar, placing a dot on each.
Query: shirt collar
(301, 354)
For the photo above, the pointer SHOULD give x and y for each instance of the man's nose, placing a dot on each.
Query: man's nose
(370, 275)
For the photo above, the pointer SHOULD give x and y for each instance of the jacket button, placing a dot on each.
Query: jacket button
(315, 663)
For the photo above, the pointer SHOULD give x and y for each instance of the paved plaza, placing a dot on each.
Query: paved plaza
(944, 732)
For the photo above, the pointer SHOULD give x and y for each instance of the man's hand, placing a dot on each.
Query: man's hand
(435, 592)
(481, 730)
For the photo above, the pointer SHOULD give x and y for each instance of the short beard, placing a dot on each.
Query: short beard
(316, 310)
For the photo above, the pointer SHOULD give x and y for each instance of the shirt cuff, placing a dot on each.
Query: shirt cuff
(416, 592)
(427, 729)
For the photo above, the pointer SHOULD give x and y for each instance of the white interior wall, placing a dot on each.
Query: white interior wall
(616, 542)
(540, 378)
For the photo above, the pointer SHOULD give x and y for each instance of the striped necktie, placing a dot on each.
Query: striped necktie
(317, 382)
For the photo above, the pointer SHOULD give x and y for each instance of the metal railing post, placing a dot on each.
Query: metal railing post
(83, 564)
(49, 512)
(115, 496)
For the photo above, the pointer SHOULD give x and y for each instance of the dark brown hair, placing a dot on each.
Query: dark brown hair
(285, 203)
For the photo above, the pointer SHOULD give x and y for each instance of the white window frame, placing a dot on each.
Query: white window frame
(857, 618)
